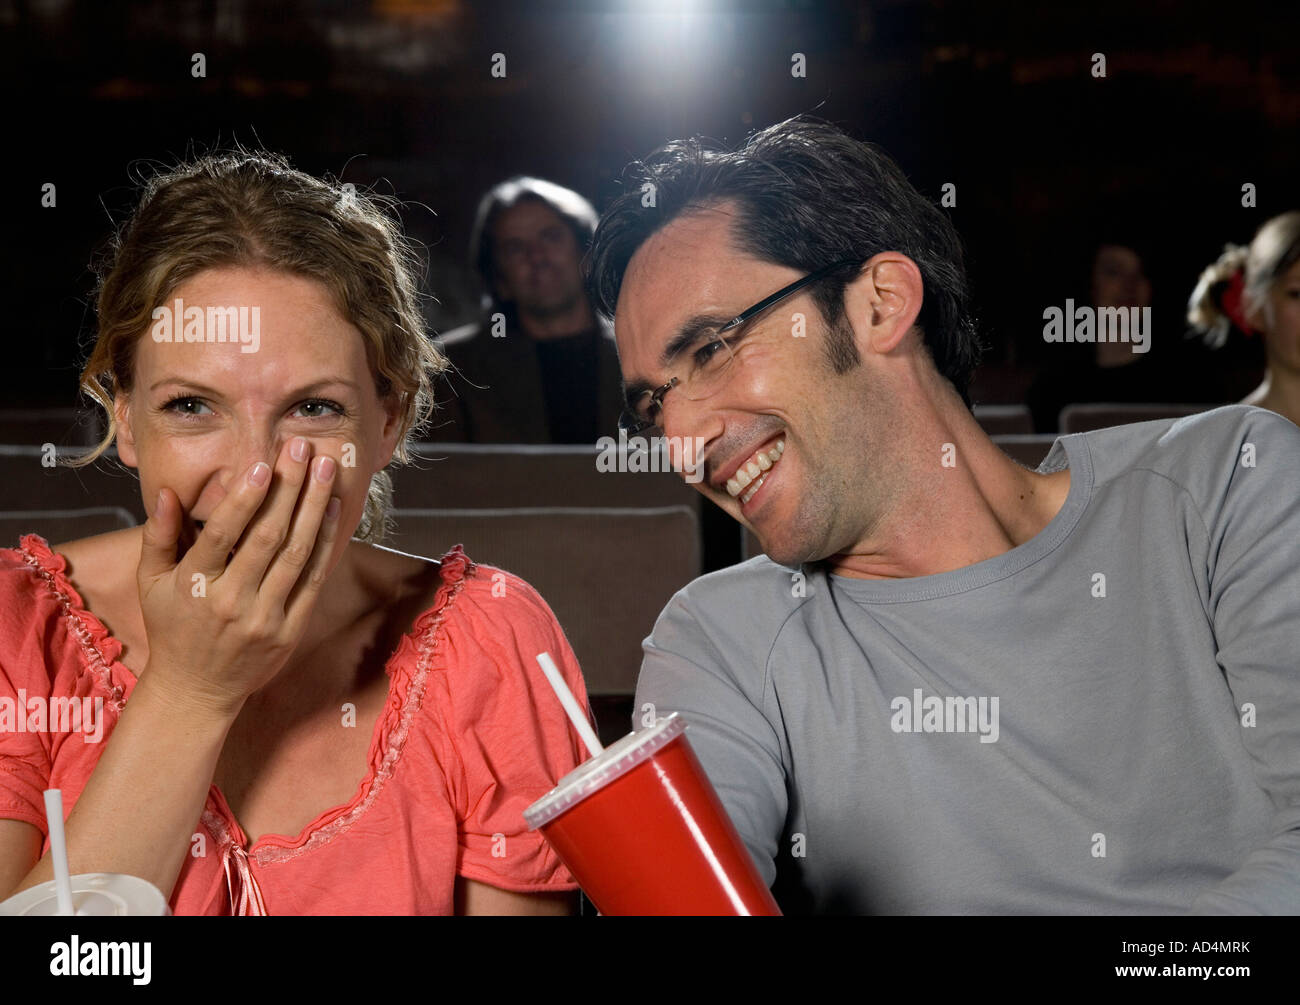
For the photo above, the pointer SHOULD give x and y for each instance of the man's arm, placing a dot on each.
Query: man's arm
(684, 671)
(1254, 533)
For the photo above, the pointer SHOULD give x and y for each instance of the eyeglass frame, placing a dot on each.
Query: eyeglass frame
(748, 314)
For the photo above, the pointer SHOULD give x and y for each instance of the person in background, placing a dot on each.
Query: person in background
(539, 366)
(1168, 371)
(1256, 289)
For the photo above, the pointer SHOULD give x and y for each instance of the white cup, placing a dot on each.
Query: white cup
(93, 893)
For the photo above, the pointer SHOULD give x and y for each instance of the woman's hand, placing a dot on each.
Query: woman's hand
(220, 627)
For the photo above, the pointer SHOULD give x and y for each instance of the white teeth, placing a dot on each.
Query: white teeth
(750, 475)
(750, 494)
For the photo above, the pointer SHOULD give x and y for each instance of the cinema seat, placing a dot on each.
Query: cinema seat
(64, 427)
(607, 573)
(1001, 420)
(59, 525)
(488, 476)
(1081, 418)
(27, 484)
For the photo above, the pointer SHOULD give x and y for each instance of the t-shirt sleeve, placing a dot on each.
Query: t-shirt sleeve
(24, 754)
(511, 737)
(1253, 522)
(685, 671)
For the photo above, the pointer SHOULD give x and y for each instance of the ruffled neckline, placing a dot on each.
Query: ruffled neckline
(453, 566)
(410, 661)
(56, 565)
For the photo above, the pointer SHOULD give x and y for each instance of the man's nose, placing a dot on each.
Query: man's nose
(684, 420)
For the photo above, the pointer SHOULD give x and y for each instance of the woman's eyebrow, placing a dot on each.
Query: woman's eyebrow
(312, 388)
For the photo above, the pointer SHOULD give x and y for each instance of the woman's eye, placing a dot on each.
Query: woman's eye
(178, 405)
(317, 403)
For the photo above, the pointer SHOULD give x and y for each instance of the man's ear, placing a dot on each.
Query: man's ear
(125, 437)
(885, 299)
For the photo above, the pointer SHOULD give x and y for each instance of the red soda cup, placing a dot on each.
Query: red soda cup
(643, 831)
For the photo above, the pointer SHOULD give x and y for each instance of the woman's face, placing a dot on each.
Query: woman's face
(1280, 323)
(201, 413)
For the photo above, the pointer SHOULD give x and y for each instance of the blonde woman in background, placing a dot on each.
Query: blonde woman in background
(1256, 289)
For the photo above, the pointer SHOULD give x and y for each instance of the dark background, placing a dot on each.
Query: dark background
(997, 98)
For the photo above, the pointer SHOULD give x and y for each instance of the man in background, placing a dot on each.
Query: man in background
(539, 366)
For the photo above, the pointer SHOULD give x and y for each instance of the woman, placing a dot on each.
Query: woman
(295, 720)
(1257, 289)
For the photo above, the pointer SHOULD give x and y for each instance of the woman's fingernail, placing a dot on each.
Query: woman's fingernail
(260, 473)
(298, 449)
(332, 508)
(325, 469)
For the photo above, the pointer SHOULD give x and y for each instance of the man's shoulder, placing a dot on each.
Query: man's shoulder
(740, 608)
(1206, 454)
(1173, 444)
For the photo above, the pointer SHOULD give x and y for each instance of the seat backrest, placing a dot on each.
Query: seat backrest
(59, 525)
(1082, 418)
(29, 482)
(485, 476)
(63, 427)
(1004, 419)
(607, 573)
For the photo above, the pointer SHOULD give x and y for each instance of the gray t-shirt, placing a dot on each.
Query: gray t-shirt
(1104, 719)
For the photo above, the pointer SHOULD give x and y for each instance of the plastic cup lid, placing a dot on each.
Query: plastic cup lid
(93, 893)
(615, 761)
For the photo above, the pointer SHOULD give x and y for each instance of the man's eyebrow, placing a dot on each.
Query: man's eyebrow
(684, 338)
(687, 334)
(309, 389)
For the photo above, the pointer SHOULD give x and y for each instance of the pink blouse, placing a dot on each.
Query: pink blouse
(470, 736)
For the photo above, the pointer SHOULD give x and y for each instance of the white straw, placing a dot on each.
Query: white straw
(576, 715)
(58, 850)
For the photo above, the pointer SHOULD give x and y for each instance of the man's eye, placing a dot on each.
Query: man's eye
(708, 351)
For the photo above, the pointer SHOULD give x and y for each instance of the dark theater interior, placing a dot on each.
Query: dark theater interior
(1097, 161)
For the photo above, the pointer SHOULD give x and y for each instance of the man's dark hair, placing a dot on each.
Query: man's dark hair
(808, 195)
(571, 207)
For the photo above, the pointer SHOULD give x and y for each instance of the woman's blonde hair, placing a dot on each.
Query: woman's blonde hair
(1274, 249)
(252, 209)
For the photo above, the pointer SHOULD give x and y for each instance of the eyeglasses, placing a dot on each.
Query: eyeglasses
(711, 357)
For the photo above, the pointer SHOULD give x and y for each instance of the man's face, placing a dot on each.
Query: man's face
(537, 259)
(824, 490)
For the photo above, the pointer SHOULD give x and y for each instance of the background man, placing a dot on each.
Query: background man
(539, 367)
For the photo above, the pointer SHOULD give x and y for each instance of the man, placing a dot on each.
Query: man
(953, 685)
(540, 367)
